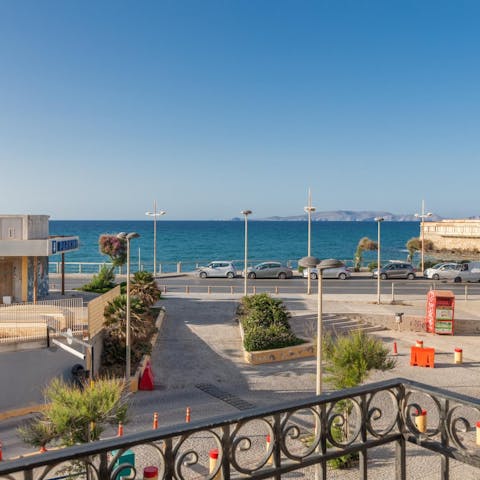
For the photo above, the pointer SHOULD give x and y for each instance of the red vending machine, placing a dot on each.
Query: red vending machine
(440, 308)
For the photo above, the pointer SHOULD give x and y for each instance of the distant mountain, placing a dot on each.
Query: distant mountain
(351, 216)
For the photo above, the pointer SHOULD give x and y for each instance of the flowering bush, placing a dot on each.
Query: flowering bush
(114, 247)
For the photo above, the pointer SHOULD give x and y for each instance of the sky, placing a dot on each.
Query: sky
(211, 107)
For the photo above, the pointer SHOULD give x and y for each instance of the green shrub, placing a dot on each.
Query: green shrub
(101, 283)
(372, 266)
(265, 322)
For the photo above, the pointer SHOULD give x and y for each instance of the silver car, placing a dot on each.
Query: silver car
(218, 269)
(442, 271)
(341, 272)
(396, 270)
(270, 270)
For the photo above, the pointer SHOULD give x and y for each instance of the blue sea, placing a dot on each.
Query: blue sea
(198, 242)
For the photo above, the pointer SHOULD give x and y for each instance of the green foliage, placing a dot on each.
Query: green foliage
(265, 322)
(75, 415)
(145, 288)
(372, 266)
(351, 357)
(101, 283)
(364, 244)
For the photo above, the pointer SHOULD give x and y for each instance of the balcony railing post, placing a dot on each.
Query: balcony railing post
(444, 459)
(400, 449)
(363, 467)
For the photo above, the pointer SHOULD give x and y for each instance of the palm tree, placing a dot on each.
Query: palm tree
(365, 243)
(145, 288)
(415, 245)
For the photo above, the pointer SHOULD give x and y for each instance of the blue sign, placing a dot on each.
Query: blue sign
(60, 246)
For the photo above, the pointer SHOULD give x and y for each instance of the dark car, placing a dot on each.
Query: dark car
(396, 270)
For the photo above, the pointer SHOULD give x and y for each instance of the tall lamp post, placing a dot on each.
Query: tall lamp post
(309, 209)
(155, 214)
(311, 262)
(245, 213)
(128, 342)
(422, 216)
(379, 220)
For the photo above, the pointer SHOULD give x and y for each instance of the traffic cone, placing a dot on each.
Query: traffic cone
(155, 420)
(146, 382)
(187, 415)
(120, 429)
(395, 351)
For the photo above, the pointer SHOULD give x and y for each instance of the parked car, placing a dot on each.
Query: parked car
(342, 273)
(396, 270)
(218, 269)
(468, 272)
(443, 271)
(270, 270)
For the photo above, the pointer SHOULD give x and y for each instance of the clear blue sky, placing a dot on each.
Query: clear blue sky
(211, 107)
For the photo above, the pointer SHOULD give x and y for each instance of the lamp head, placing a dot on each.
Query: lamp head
(379, 219)
(132, 235)
(429, 214)
(309, 209)
(122, 235)
(246, 212)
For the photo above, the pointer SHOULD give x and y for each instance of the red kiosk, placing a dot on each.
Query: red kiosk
(440, 308)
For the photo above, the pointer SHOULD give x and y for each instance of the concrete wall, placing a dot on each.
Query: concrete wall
(454, 234)
(24, 374)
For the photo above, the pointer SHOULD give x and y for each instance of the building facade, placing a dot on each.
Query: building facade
(463, 235)
(25, 246)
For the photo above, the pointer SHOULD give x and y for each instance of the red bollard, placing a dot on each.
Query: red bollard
(43, 449)
(1, 453)
(120, 429)
(150, 473)
(395, 351)
(187, 415)
(155, 420)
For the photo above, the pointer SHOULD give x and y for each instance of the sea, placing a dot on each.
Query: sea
(195, 243)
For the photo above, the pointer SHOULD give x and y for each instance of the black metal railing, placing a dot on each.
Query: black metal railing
(271, 442)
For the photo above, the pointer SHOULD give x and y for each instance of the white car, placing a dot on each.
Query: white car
(340, 272)
(443, 271)
(218, 269)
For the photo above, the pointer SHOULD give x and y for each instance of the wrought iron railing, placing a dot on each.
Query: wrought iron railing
(299, 436)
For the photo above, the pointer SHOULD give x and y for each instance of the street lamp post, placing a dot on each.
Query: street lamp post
(422, 216)
(128, 342)
(311, 262)
(379, 220)
(155, 214)
(245, 213)
(309, 209)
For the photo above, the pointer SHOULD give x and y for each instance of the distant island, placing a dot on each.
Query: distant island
(347, 216)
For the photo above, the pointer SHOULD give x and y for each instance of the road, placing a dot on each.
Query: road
(352, 286)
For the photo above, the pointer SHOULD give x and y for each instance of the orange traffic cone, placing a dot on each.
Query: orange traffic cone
(146, 382)
(395, 351)
(120, 429)
(187, 415)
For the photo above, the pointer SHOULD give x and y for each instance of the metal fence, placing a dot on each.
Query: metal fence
(28, 321)
(406, 420)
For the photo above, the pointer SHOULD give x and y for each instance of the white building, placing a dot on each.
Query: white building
(25, 246)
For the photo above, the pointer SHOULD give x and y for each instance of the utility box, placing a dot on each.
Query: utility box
(440, 312)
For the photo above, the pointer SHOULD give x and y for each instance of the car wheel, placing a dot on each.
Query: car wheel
(436, 277)
(230, 275)
(203, 274)
(342, 276)
(313, 276)
(410, 276)
(252, 275)
(383, 276)
(458, 280)
(282, 276)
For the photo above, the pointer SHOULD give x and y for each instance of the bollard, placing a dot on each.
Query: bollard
(393, 292)
(187, 289)
(1, 453)
(209, 290)
(478, 434)
(120, 429)
(43, 449)
(419, 343)
(421, 421)
(458, 355)
(270, 458)
(231, 289)
(164, 289)
(155, 420)
(254, 290)
(213, 457)
(466, 292)
(187, 415)
(395, 351)
(276, 290)
(150, 473)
